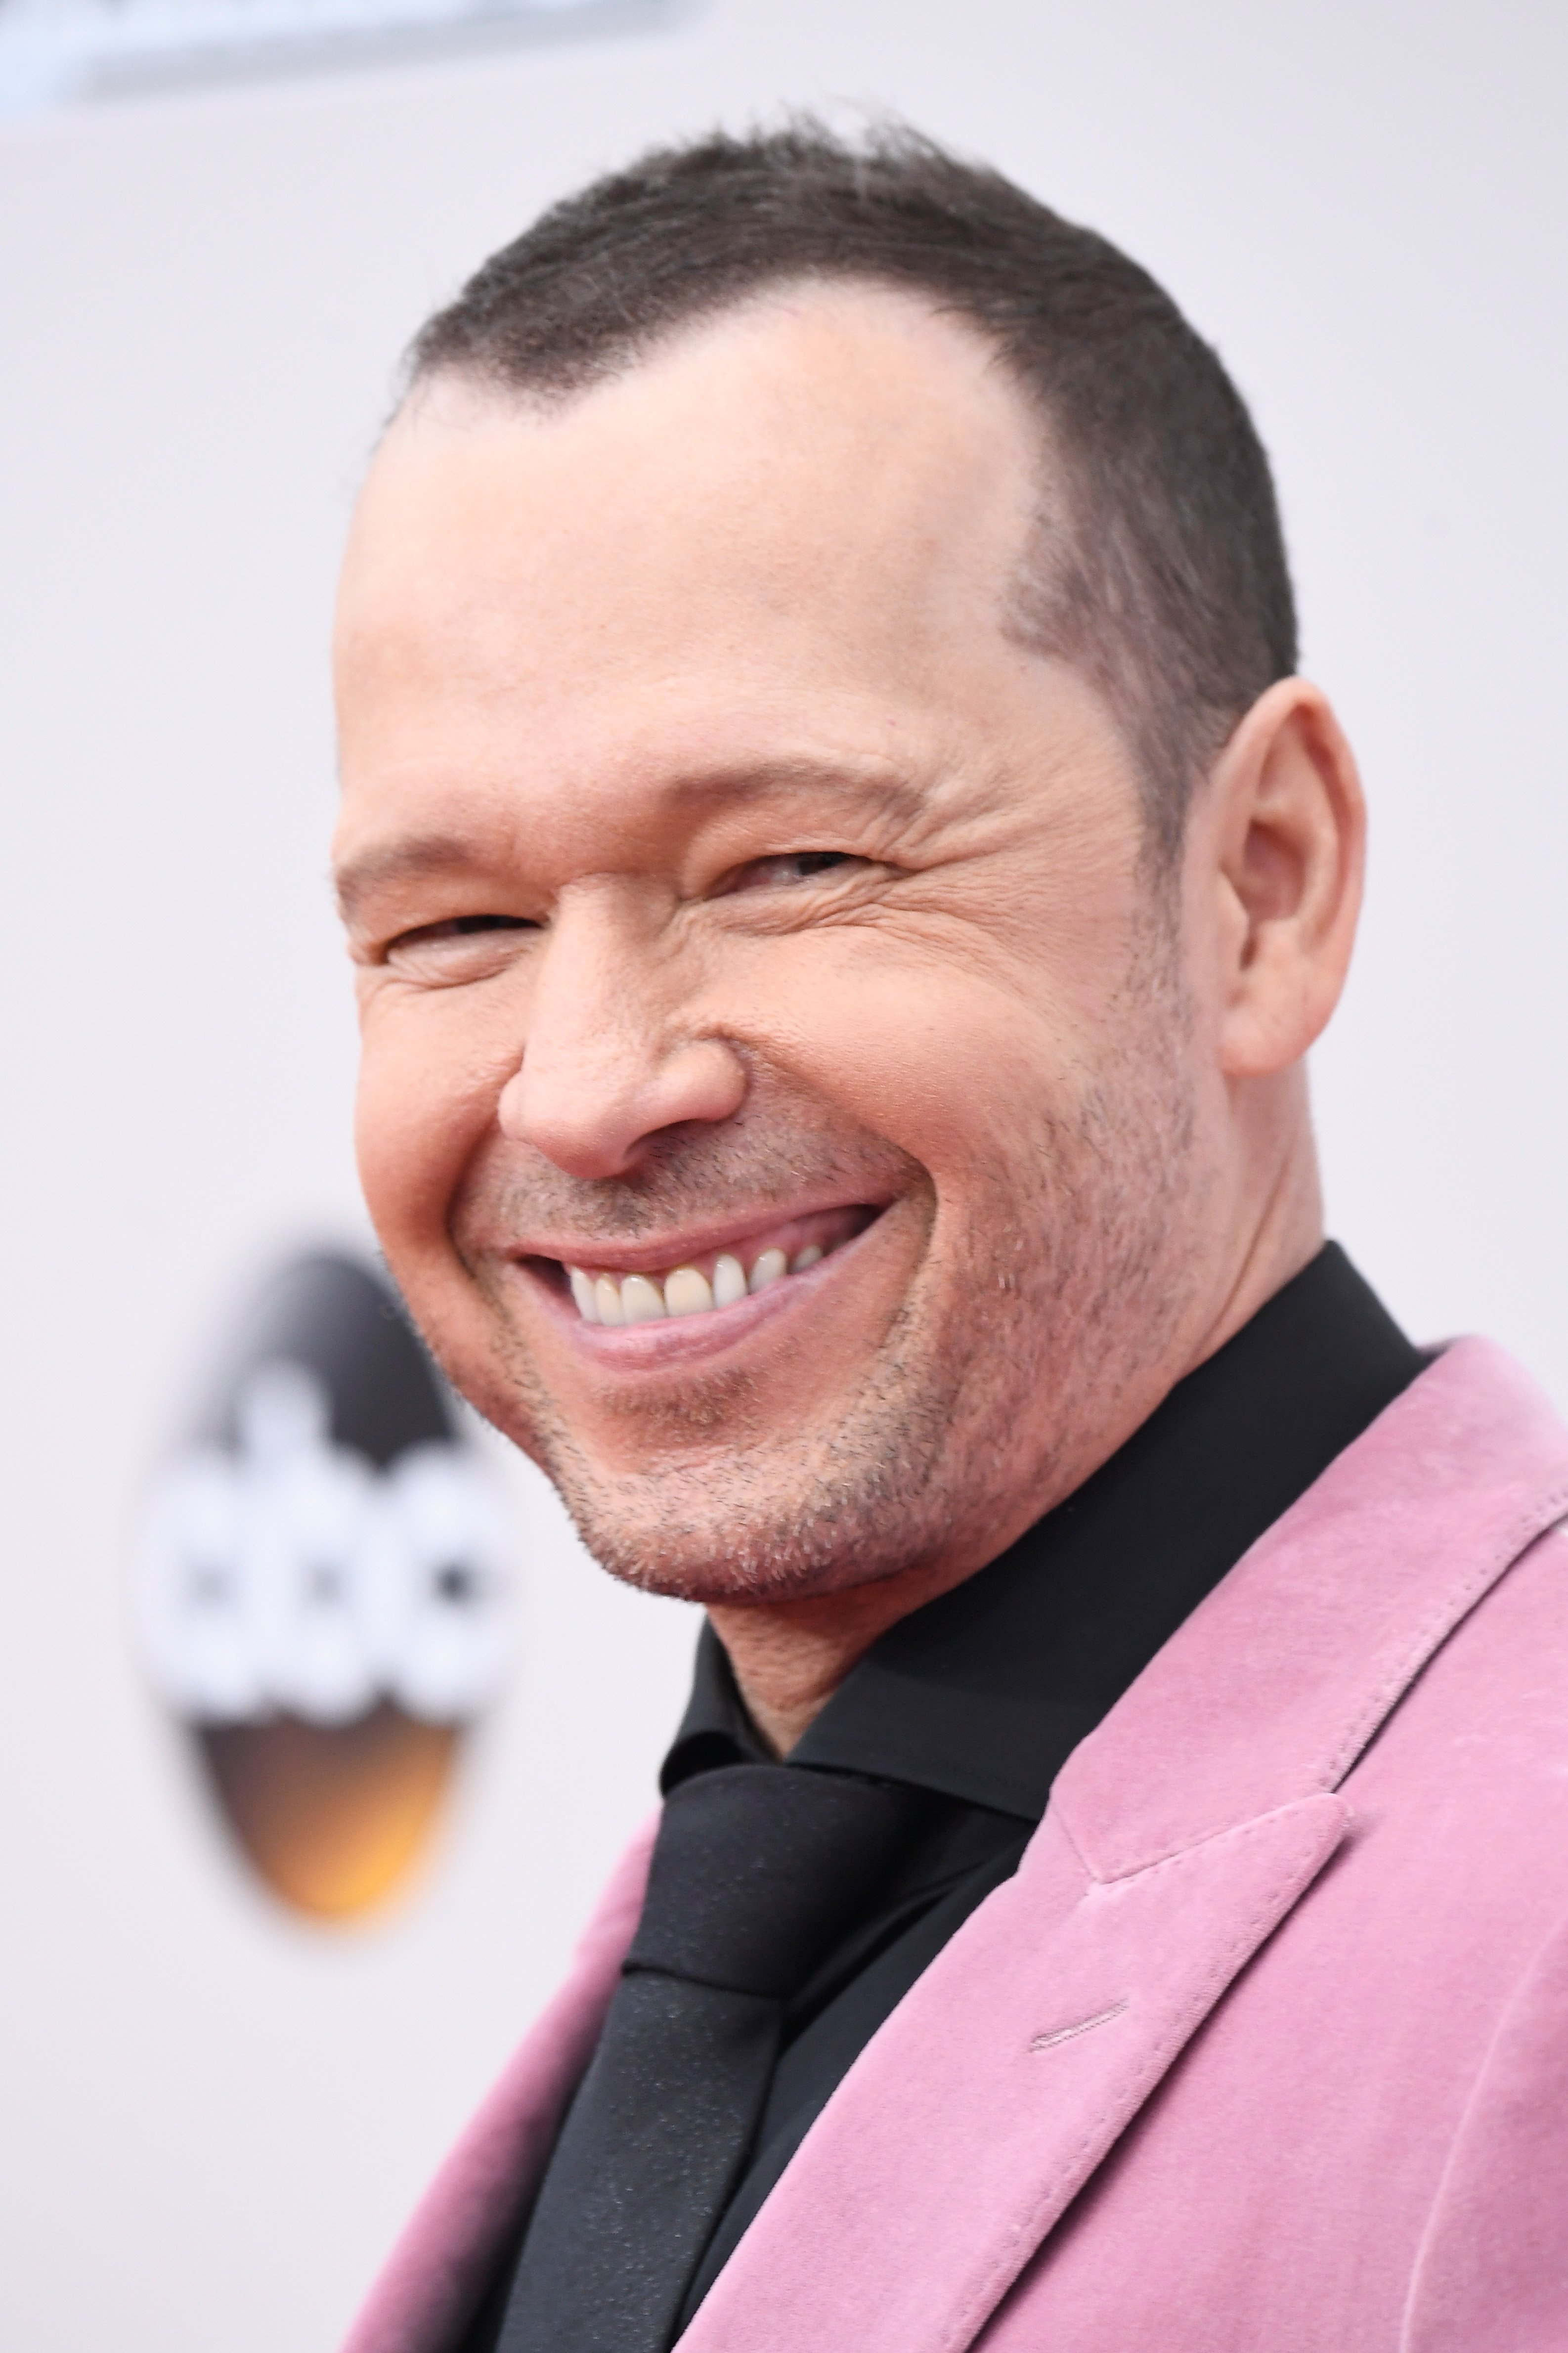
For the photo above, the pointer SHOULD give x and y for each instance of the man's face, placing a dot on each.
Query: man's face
(732, 890)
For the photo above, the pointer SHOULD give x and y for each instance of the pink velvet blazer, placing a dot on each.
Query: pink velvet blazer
(1264, 2048)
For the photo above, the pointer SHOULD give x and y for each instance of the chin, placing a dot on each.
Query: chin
(730, 1532)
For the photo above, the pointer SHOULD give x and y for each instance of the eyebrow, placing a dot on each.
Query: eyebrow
(400, 861)
(421, 855)
(895, 793)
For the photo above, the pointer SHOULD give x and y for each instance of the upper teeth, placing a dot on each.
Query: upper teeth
(684, 1291)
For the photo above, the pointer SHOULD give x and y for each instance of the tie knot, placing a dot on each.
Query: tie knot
(759, 1869)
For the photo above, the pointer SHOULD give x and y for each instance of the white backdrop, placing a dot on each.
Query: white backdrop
(213, 2119)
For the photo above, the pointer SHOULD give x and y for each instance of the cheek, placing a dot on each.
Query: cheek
(948, 1058)
(430, 1077)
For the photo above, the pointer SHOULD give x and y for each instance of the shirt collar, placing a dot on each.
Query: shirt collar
(981, 1693)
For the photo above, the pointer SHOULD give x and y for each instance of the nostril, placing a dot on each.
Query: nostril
(593, 1118)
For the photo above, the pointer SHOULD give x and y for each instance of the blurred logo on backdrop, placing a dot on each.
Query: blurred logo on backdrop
(53, 50)
(323, 1587)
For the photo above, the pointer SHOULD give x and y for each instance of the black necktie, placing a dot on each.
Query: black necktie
(757, 1871)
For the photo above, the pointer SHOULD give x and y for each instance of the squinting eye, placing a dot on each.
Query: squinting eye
(464, 947)
(460, 926)
(794, 866)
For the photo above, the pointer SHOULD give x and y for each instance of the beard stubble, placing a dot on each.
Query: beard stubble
(1042, 1289)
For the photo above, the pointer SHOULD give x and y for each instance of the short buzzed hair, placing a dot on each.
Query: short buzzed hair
(1160, 571)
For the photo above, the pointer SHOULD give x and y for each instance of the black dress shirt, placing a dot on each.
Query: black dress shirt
(977, 1698)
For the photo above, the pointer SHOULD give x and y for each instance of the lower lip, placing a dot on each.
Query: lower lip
(683, 1339)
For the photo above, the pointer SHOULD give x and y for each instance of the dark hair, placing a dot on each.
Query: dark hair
(1162, 571)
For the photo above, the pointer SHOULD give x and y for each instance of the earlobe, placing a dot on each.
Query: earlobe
(1289, 833)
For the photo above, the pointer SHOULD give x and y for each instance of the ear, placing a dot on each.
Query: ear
(1280, 847)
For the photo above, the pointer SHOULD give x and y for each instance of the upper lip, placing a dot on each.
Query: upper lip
(680, 1243)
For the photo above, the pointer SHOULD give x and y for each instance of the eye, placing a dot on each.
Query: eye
(462, 927)
(463, 947)
(790, 867)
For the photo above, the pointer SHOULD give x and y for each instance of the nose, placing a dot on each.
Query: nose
(608, 1061)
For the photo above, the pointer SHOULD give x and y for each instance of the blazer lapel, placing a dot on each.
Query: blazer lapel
(1179, 1836)
(441, 2266)
(989, 2098)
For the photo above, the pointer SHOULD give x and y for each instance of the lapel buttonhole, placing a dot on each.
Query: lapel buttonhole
(1083, 2026)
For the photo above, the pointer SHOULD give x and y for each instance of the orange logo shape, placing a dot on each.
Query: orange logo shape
(323, 1589)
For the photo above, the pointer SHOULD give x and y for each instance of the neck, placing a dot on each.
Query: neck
(790, 1657)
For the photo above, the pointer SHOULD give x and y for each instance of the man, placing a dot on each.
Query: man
(843, 877)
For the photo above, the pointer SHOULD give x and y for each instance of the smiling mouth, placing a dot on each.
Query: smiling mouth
(707, 1281)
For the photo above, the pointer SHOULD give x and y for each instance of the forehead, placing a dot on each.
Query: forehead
(818, 504)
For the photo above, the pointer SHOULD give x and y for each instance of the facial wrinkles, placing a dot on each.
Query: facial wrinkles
(1048, 1245)
(1045, 1279)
